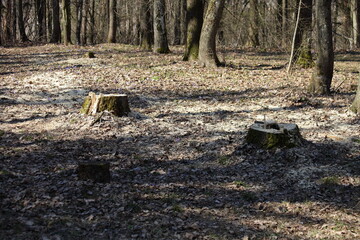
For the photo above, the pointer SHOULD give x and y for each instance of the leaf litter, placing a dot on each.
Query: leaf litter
(180, 167)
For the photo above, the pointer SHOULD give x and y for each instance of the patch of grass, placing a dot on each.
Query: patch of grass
(177, 208)
(331, 180)
(240, 184)
(356, 140)
(2, 133)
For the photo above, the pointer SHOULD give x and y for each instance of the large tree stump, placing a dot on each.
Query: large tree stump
(96, 171)
(115, 103)
(270, 134)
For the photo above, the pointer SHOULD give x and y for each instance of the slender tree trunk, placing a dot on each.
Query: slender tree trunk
(41, 10)
(8, 22)
(177, 23)
(112, 22)
(183, 26)
(194, 22)
(22, 32)
(79, 12)
(284, 17)
(84, 22)
(56, 33)
(135, 26)
(254, 24)
(66, 21)
(145, 25)
(160, 35)
(92, 22)
(1, 32)
(354, 9)
(207, 49)
(321, 80)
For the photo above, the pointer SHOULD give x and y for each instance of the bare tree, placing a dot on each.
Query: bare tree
(355, 18)
(21, 24)
(254, 24)
(112, 22)
(207, 48)
(56, 33)
(194, 22)
(145, 25)
(320, 82)
(66, 21)
(160, 34)
(79, 18)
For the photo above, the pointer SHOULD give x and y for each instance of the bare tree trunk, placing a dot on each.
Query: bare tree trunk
(145, 25)
(135, 26)
(79, 18)
(66, 21)
(354, 9)
(160, 35)
(1, 32)
(56, 33)
(41, 11)
(207, 49)
(321, 80)
(84, 22)
(194, 22)
(183, 26)
(254, 24)
(284, 17)
(177, 23)
(92, 22)
(22, 32)
(112, 22)
(8, 22)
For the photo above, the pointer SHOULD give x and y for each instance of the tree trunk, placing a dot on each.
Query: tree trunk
(8, 22)
(302, 40)
(56, 33)
(145, 25)
(321, 80)
(355, 107)
(1, 22)
(284, 17)
(355, 18)
(183, 25)
(177, 23)
(112, 22)
(254, 24)
(160, 35)
(92, 22)
(21, 24)
(84, 22)
(41, 11)
(207, 48)
(66, 21)
(79, 18)
(194, 22)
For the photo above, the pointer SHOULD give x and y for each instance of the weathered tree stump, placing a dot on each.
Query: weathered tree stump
(96, 171)
(270, 134)
(355, 106)
(89, 55)
(115, 103)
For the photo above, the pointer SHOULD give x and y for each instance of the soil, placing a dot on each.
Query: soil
(180, 166)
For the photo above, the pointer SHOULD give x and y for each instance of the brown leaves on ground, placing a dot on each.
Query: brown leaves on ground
(180, 167)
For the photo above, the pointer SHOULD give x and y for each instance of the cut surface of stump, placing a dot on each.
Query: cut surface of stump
(117, 104)
(274, 135)
(96, 171)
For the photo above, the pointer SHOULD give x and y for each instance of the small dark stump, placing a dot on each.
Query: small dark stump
(96, 171)
(274, 135)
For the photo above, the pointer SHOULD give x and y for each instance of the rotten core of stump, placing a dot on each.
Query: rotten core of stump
(270, 135)
(95, 171)
(117, 104)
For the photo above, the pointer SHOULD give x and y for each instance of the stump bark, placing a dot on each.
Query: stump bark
(96, 171)
(270, 135)
(115, 103)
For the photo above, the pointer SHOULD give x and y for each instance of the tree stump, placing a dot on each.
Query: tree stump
(270, 134)
(117, 104)
(96, 171)
(355, 106)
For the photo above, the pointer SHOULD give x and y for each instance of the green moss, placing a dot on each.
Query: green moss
(162, 50)
(305, 59)
(333, 180)
(89, 55)
(86, 105)
(2, 133)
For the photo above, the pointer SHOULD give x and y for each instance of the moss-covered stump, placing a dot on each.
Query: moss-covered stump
(274, 135)
(96, 171)
(117, 104)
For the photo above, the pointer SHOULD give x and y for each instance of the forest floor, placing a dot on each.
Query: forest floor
(180, 167)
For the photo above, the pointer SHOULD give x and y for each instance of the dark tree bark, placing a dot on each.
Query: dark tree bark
(194, 22)
(284, 17)
(112, 22)
(254, 24)
(21, 24)
(9, 22)
(355, 18)
(160, 35)
(92, 22)
(66, 21)
(145, 25)
(56, 33)
(321, 80)
(79, 18)
(207, 48)
(355, 107)
(1, 22)
(84, 22)
(177, 23)
(41, 11)
(183, 26)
